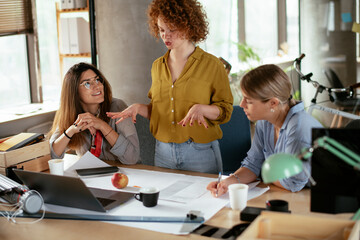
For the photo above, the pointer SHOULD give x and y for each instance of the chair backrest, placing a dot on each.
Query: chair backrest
(146, 140)
(335, 83)
(353, 124)
(236, 140)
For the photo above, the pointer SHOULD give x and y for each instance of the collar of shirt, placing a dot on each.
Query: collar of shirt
(295, 109)
(198, 52)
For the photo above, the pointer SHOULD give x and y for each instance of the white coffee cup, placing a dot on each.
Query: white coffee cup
(56, 166)
(238, 196)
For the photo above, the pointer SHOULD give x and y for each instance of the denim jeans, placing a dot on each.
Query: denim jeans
(189, 156)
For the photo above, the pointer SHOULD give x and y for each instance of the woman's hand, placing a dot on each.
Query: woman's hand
(88, 121)
(196, 113)
(217, 189)
(131, 111)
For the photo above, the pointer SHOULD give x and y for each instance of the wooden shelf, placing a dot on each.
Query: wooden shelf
(71, 10)
(62, 55)
(75, 55)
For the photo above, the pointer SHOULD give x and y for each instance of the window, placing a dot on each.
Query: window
(292, 27)
(261, 28)
(15, 88)
(49, 53)
(270, 28)
(19, 85)
(15, 28)
(223, 26)
(48, 50)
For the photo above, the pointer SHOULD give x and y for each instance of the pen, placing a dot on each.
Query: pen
(218, 181)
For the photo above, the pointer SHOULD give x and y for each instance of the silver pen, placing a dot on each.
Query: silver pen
(218, 181)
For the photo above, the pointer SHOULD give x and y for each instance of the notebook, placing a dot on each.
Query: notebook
(71, 191)
(20, 140)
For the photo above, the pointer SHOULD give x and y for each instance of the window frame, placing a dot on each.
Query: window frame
(34, 60)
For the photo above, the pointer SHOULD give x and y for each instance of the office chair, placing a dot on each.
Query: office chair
(353, 124)
(146, 140)
(236, 140)
(343, 100)
(227, 65)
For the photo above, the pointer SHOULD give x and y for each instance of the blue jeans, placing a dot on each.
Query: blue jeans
(189, 156)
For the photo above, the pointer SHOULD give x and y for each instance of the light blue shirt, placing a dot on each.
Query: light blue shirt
(295, 134)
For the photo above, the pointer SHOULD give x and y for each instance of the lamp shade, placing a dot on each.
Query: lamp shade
(279, 166)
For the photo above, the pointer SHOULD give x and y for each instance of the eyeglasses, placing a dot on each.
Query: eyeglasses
(88, 83)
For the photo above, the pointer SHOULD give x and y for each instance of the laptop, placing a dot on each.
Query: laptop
(71, 192)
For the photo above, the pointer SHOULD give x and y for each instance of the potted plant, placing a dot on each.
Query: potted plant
(248, 59)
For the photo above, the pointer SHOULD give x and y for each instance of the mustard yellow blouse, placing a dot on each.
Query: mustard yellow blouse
(202, 81)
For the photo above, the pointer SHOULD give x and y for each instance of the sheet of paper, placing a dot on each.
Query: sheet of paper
(184, 191)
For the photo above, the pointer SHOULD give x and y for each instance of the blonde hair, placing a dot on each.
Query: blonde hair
(70, 106)
(266, 82)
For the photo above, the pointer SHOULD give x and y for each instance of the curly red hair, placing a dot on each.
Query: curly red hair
(187, 16)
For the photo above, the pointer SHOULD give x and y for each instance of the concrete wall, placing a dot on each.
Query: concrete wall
(126, 50)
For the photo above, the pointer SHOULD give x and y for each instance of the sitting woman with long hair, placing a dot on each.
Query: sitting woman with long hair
(81, 123)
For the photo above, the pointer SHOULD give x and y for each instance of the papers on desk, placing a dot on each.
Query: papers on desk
(179, 195)
(184, 191)
(88, 160)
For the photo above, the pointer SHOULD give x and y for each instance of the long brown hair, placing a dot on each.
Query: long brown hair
(70, 106)
(268, 81)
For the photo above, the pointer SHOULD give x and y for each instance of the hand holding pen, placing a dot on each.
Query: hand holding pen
(218, 188)
(217, 184)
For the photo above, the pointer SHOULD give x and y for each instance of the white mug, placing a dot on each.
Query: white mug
(238, 196)
(56, 166)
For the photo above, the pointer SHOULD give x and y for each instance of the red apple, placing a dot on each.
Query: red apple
(119, 180)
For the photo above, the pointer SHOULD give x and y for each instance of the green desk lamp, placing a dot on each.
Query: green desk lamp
(283, 165)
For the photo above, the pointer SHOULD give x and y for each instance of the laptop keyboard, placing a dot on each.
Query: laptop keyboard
(105, 201)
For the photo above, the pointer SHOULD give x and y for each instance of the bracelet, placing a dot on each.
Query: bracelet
(233, 174)
(67, 135)
(109, 132)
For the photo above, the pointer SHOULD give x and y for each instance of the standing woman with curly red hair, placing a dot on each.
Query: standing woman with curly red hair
(190, 92)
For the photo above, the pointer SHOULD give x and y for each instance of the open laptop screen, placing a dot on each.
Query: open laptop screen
(71, 192)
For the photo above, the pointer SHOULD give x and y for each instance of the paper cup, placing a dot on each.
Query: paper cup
(238, 196)
(56, 166)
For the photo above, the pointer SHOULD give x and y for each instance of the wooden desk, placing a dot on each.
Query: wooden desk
(299, 203)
